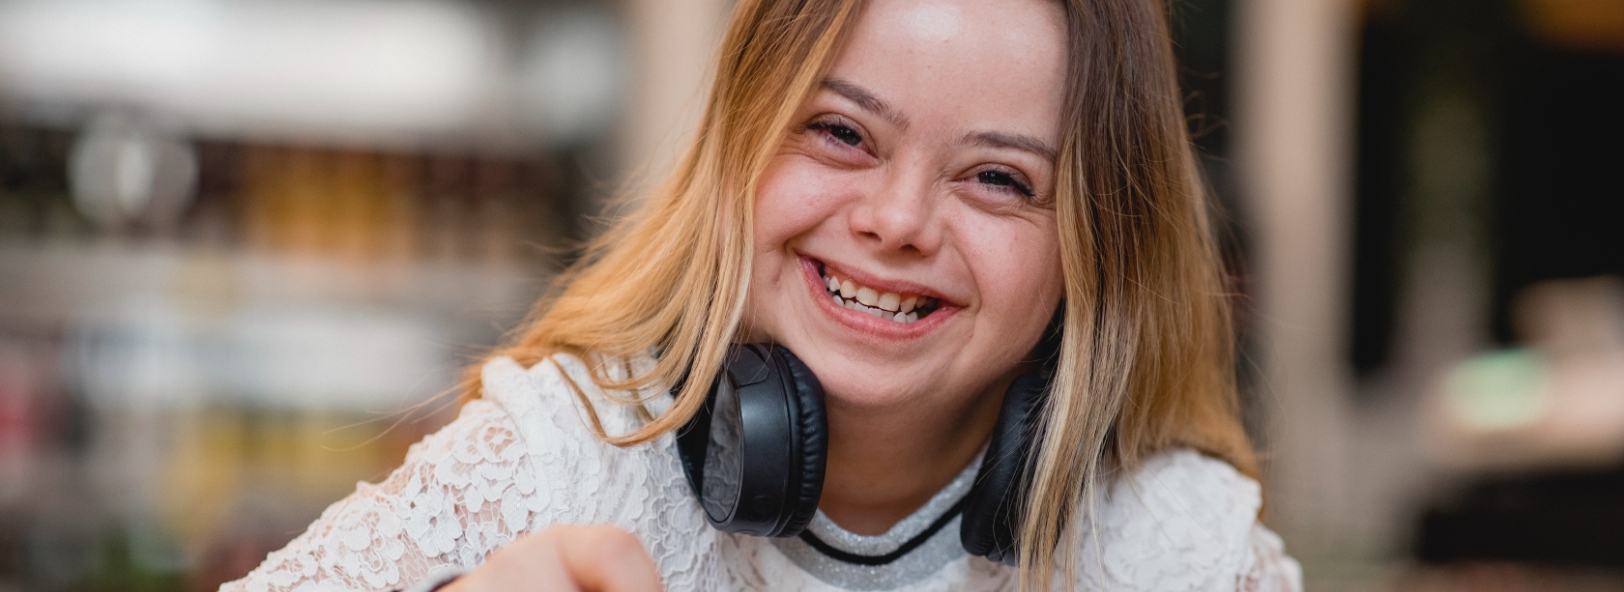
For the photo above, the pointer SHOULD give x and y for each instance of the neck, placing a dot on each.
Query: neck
(884, 464)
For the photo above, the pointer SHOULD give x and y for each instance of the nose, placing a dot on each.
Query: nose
(898, 216)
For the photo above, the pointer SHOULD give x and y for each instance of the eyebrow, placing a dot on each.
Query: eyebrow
(1015, 141)
(866, 100)
(873, 104)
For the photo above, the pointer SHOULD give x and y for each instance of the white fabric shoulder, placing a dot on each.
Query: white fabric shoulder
(641, 489)
(515, 462)
(1184, 521)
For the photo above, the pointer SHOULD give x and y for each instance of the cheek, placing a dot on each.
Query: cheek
(1018, 293)
(794, 197)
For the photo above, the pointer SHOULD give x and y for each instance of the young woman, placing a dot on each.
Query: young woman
(929, 202)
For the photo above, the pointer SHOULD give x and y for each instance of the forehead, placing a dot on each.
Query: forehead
(966, 63)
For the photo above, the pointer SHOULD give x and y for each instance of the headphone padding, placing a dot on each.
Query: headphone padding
(812, 427)
(993, 514)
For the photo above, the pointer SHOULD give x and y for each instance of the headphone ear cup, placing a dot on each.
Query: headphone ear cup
(994, 510)
(761, 477)
(812, 426)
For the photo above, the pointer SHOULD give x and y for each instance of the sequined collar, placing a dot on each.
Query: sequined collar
(936, 552)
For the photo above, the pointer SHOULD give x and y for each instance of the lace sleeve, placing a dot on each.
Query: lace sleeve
(462, 493)
(1185, 522)
(1269, 569)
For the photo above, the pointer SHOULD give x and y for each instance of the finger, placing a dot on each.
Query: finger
(532, 563)
(607, 559)
(549, 573)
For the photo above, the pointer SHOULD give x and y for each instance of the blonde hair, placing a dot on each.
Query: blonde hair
(1147, 354)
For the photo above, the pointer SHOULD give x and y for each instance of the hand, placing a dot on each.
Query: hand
(574, 558)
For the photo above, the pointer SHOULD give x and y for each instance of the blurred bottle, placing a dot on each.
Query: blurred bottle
(399, 188)
(446, 208)
(496, 216)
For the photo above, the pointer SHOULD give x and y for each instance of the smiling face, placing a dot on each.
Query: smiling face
(905, 238)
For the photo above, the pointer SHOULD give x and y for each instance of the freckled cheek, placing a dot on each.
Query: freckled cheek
(796, 198)
(1045, 275)
(1018, 274)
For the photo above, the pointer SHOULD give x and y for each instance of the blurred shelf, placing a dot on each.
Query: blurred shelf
(165, 326)
(45, 282)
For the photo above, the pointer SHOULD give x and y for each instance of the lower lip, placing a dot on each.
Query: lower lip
(863, 322)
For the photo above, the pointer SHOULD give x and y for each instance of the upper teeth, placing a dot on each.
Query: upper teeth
(888, 305)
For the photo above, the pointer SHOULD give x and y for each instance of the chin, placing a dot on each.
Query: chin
(873, 385)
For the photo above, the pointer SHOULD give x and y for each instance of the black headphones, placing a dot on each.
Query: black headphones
(755, 454)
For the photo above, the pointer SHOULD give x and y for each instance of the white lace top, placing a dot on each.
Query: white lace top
(523, 458)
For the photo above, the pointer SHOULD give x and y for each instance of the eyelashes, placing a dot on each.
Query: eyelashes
(838, 132)
(843, 135)
(1006, 180)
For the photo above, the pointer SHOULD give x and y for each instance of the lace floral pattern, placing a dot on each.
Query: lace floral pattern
(1183, 522)
(522, 459)
(461, 493)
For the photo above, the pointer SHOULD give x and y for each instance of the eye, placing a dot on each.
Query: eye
(1005, 180)
(838, 132)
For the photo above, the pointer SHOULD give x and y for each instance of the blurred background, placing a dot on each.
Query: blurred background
(246, 246)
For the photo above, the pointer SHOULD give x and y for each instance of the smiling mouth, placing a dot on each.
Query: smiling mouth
(900, 308)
